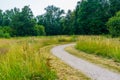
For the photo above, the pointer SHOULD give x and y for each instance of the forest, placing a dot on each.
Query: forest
(90, 17)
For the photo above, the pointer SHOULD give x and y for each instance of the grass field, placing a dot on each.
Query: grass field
(29, 58)
(21, 59)
(101, 46)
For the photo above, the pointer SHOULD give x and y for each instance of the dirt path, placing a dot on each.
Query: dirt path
(91, 70)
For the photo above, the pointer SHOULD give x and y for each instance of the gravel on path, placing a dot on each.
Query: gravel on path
(89, 69)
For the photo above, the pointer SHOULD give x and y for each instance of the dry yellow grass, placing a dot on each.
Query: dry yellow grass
(29, 59)
(63, 71)
(99, 45)
(23, 61)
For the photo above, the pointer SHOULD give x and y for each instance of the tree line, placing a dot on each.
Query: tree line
(90, 17)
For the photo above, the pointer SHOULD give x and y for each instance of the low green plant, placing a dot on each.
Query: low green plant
(4, 35)
(114, 25)
(39, 30)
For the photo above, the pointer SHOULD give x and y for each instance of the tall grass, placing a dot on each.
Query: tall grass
(105, 47)
(22, 58)
(23, 61)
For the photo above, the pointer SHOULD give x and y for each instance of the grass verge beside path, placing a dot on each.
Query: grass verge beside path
(103, 62)
(101, 46)
(20, 59)
(64, 72)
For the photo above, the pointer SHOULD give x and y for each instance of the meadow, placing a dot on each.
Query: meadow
(28, 58)
(101, 46)
(24, 59)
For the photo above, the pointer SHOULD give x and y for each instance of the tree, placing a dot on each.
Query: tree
(40, 20)
(114, 25)
(90, 17)
(23, 22)
(51, 20)
(5, 32)
(1, 17)
(39, 30)
(8, 15)
(6, 18)
(68, 23)
(114, 7)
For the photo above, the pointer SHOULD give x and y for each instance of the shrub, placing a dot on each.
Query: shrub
(4, 35)
(1, 33)
(39, 30)
(114, 25)
(7, 35)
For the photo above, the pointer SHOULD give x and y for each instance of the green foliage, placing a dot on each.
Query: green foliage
(4, 35)
(39, 30)
(6, 29)
(91, 16)
(1, 17)
(114, 7)
(5, 32)
(1, 33)
(68, 23)
(23, 22)
(114, 25)
(51, 20)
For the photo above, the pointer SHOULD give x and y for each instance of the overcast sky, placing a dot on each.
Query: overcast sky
(38, 6)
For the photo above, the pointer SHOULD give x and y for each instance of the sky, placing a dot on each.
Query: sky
(37, 6)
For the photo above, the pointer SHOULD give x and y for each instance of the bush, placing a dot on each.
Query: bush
(114, 25)
(4, 34)
(39, 30)
(7, 35)
(1, 33)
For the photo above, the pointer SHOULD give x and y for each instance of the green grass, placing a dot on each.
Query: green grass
(22, 59)
(101, 46)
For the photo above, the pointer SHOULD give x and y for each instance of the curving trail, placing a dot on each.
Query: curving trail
(91, 70)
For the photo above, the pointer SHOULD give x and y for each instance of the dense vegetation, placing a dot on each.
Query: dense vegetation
(101, 46)
(89, 17)
(114, 25)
